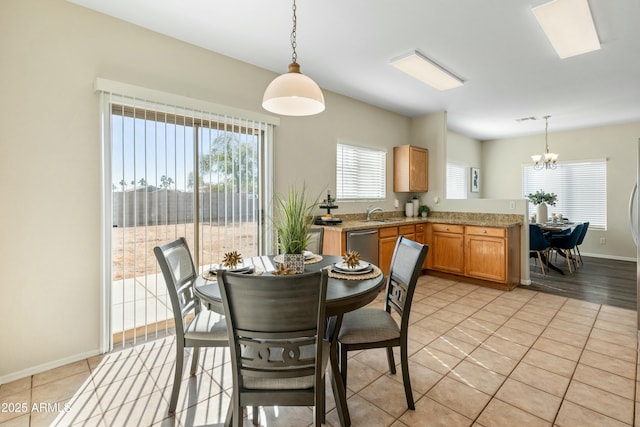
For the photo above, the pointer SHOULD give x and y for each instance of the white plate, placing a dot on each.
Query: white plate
(307, 254)
(362, 265)
(367, 270)
(244, 269)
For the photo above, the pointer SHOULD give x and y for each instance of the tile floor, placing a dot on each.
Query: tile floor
(479, 357)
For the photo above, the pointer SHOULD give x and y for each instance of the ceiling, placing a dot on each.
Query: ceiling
(496, 46)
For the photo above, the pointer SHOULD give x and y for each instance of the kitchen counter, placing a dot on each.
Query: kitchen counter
(352, 222)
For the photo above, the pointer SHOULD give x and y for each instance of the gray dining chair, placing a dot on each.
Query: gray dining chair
(367, 327)
(566, 245)
(316, 237)
(195, 328)
(276, 327)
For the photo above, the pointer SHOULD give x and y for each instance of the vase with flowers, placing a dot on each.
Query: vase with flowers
(540, 199)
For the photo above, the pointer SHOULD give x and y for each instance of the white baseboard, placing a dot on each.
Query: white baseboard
(618, 258)
(47, 366)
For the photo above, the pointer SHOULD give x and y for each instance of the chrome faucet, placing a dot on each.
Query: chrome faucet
(371, 210)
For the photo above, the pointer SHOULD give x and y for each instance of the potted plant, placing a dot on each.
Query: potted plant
(295, 216)
(541, 199)
(424, 210)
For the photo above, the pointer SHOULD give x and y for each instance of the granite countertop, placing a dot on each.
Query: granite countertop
(387, 219)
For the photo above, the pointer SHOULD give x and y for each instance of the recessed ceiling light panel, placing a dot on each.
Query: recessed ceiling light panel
(422, 68)
(569, 26)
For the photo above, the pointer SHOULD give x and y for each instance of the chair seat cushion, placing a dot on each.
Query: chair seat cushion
(207, 326)
(368, 325)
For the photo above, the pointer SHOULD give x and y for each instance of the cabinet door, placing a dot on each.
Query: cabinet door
(386, 245)
(448, 252)
(418, 161)
(421, 238)
(486, 258)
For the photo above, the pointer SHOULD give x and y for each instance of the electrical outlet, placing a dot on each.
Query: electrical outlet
(603, 240)
(512, 205)
(396, 203)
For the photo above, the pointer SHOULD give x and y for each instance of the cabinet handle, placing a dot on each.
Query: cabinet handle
(484, 231)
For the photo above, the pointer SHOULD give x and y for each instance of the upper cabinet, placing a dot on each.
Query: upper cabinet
(410, 169)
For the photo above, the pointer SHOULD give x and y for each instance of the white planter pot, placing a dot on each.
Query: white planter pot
(542, 214)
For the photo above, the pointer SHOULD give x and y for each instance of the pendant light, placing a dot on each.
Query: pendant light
(293, 93)
(546, 160)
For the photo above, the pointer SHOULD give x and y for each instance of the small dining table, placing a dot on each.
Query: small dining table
(343, 295)
(551, 228)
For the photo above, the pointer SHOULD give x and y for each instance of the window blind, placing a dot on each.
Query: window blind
(456, 181)
(581, 188)
(360, 173)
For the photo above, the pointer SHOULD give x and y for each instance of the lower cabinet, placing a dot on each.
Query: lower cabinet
(491, 254)
(387, 237)
(448, 248)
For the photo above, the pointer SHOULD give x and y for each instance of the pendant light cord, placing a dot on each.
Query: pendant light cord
(294, 56)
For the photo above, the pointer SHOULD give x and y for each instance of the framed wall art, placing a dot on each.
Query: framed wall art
(475, 180)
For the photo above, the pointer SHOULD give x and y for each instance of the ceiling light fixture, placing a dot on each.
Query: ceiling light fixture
(422, 68)
(293, 93)
(547, 160)
(569, 26)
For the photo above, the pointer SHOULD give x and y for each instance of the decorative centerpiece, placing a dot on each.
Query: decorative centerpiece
(351, 258)
(540, 199)
(292, 225)
(231, 259)
(424, 210)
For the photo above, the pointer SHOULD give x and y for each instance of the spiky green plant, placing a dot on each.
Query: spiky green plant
(295, 216)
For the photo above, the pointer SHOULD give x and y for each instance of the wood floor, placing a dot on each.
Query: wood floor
(601, 281)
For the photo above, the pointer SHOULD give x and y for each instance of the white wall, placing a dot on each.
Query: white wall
(618, 143)
(466, 151)
(52, 52)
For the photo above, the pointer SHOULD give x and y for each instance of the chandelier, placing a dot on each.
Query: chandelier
(547, 160)
(293, 93)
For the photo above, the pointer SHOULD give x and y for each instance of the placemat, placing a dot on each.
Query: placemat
(375, 273)
(315, 258)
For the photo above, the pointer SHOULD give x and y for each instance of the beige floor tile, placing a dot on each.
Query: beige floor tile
(422, 335)
(609, 364)
(575, 304)
(601, 401)
(360, 375)
(110, 372)
(524, 326)
(78, 410)
(435, 325)
(574, 328)
(505, 347)
(493, 361)
(555, 364)
(127, 390)
(580, 319)
(501, 414)
(604, 380)
(572, 415)
(422, 308)
(429, 413)
(468, 335)
(558, 348)
(466, 400)
(146, 411)
(476, 376)
(15, 387)
(452, 346)
(610, 349)
(388, 395)
(362, 413)
(540, 378)
(548, 300)
(618, 311)
(529, 399)
(615, 327)
(615, 338)
(479, 325)
(435, 360)
(517, 336)
(433, 300)
(62, 389)
(463, 308)
(448, 316)
(376, 358)
(627, 320)
(447, 295)
(62, 372)
(15, 405)
(566, 337)
(17, 421)
(422, 378)
(504, 307)
(541, 310)
(490, 316)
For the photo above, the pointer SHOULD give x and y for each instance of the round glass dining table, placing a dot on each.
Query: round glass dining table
(343, 295)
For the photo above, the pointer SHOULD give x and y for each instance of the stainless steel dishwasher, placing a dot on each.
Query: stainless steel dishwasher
(365, 242)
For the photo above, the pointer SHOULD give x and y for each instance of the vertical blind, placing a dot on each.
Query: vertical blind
(581, 188)
(175, 171)
(360, 173)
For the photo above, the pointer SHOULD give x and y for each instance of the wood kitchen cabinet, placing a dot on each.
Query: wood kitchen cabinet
(387, 237)
(423, 236)
(493, 253)
(448, 248)
(410, 169)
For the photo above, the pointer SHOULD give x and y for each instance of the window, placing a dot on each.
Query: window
(360, 173)
(456, 181)
(581, 188)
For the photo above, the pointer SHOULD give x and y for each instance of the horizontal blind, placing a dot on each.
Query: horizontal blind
(456, 181)
(360, 173)
(581, 188)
